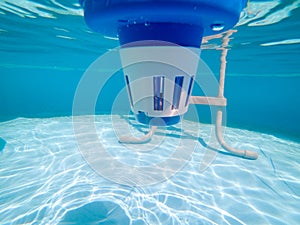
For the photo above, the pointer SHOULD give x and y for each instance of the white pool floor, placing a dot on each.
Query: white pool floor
(45, 180)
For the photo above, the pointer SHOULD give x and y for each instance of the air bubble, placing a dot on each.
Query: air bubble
(217, 26)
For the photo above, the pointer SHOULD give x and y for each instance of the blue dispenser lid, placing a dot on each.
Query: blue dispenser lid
(214, 16)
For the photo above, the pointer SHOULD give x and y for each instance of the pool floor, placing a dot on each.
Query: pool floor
(44, 179)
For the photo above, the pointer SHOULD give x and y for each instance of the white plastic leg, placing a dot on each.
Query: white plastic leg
(241, 153)
(138, 140)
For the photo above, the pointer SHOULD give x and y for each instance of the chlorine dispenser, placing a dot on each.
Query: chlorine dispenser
(165, 35)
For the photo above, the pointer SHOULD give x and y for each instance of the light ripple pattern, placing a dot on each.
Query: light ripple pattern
(45, 180)
(46, 9)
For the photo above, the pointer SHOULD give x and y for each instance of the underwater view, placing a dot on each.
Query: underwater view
(81, 143)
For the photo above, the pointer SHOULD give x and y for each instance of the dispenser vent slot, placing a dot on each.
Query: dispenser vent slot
(158, 89)
(189, 90)
(129, 90)
(177, 91)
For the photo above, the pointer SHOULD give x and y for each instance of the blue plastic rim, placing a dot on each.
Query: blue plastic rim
(169, 33)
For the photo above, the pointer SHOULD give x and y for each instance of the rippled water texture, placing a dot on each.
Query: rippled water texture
(266, 29)
(45, 180)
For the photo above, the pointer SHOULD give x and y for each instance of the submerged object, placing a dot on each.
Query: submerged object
(165, 36)
(158, 95)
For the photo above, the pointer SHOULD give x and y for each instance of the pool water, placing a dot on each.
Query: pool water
(45, 177)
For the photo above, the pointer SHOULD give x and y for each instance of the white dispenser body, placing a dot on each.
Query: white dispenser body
(159, 81)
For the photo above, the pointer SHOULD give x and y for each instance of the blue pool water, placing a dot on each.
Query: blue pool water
(46, 48)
